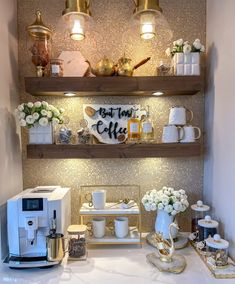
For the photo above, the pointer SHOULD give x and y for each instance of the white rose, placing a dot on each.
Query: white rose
(35, 115)
(197, 45)
(43, 112)
(61, 110)
(160, 206)
(176, 194)
(153, 207)
(165, 201)
(147, 207)
(185, 202)
(29, 119)
(30, 105)
(174, 212)
(37, 104)
(49, 114)
(181, 191)
(174, 199)
(168, 52)
(171, 189)
(21, 115)
(43, 121)
(22, 122)
(177, 206)
(168, 208)
(187, 48)
(45, 104)
(21, 107)
(180, 42)
(164, 188)
(56, 112)
(55, 121)
(202, 48)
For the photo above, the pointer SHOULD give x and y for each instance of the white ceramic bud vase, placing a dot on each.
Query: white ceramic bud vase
(186, 64)
(162, 223)
(41, 134)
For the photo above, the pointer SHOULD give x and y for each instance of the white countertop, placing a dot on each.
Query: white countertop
(115, 265)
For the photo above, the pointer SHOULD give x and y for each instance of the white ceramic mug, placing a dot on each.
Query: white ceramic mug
(172, 134)
(178, 115)
(121, 227)
(97, 227)
(189, 134)
(97, 198)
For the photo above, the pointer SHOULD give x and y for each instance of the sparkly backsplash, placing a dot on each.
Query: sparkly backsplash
(111, 33)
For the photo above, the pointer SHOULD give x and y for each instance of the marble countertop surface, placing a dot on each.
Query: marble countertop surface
(116, 265)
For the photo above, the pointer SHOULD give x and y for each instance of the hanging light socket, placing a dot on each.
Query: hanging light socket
(146, 12)
(76, 14)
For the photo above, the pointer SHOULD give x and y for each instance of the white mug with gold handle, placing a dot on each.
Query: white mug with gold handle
(190, 134)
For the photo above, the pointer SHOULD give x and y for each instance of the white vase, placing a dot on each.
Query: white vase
(163, 220)
(186, 64)
(41, 134)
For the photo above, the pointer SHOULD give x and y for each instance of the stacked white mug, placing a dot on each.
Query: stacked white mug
(178, 129)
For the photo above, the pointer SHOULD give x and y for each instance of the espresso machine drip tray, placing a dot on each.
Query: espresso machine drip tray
(28, 262)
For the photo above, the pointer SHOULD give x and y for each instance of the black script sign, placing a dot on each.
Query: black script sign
(108, 123)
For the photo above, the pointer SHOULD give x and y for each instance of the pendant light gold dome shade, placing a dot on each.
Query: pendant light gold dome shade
(75, 14)
(147, 12)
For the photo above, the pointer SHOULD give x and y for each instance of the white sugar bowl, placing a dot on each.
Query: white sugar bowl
(217, 249)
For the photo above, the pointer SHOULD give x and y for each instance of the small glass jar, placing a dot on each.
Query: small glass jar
(217, 251)
(77, 244)
(64, 135)
(207, 228)
(199, 211)
(57, 67)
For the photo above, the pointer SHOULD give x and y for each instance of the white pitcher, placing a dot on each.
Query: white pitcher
(178, 115)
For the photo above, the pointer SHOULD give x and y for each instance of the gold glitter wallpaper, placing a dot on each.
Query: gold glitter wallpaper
(111, 33)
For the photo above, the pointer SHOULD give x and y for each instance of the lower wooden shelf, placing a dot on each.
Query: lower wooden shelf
(53, 151)
(134, 237)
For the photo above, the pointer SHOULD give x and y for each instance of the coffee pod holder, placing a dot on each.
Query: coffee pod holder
(122, 201)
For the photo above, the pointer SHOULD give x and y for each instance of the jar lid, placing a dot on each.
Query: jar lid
(73, 229)
(38, 29)
(199, 206)
(208, 222)
(217, 243)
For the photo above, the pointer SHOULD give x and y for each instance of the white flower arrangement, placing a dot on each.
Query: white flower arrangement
(168, 199)
(41, 113)
(184, 46)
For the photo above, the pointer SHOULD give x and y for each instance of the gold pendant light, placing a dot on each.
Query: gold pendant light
(147, 12)
(76, 14)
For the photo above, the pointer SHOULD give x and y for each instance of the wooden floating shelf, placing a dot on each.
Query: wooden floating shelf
(53, 151)
(114, 86)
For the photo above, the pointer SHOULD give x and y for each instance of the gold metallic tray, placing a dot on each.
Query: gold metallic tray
(227, 272)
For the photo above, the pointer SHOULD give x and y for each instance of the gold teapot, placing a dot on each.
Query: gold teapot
(105, 67)
(124, 67)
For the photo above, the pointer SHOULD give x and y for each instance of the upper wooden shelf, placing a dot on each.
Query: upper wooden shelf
(95, 151)
(114, 86)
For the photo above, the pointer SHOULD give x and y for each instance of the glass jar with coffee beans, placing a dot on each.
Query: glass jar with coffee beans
(77, 245)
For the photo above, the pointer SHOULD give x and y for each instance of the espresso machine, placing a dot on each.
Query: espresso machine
(33, 217)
